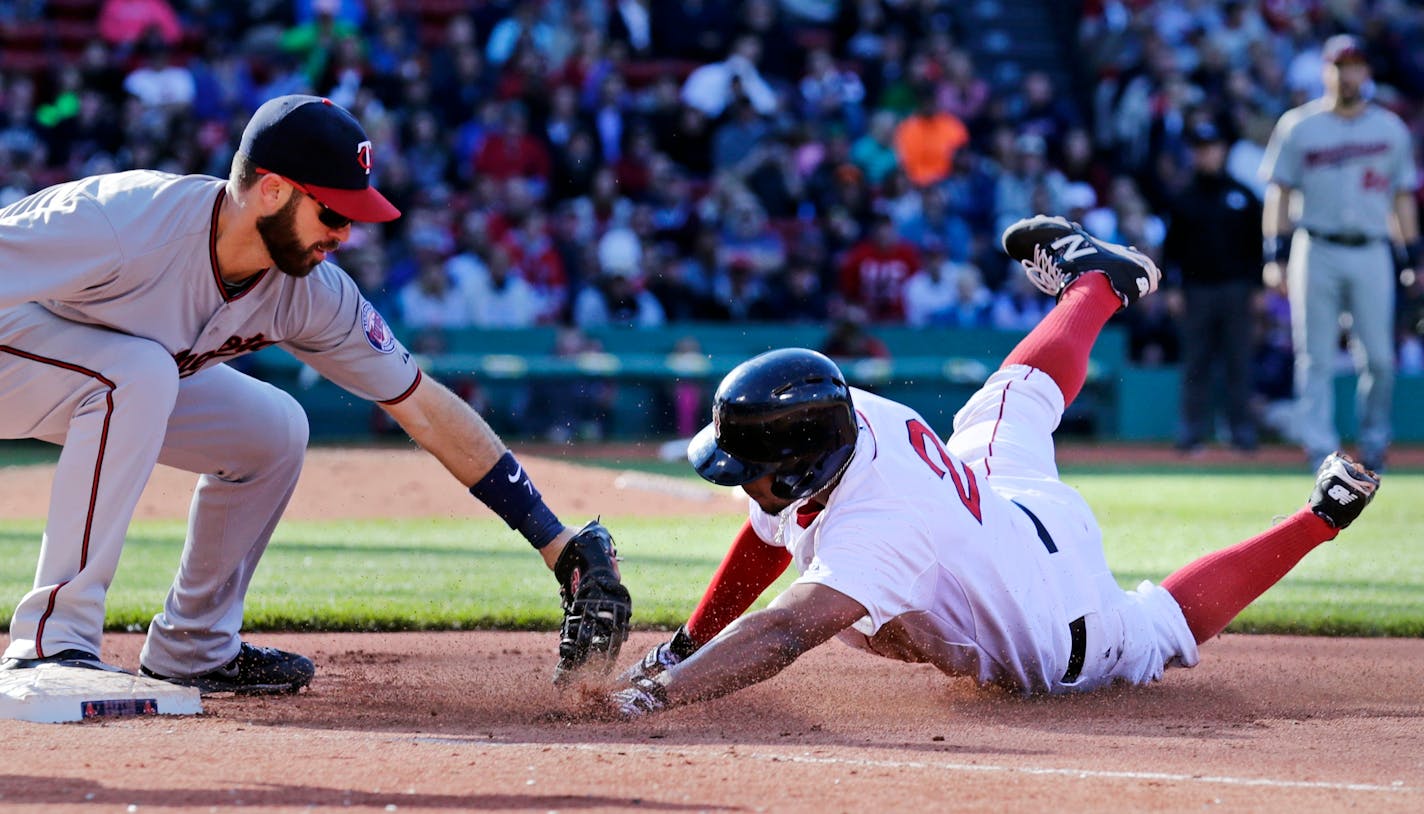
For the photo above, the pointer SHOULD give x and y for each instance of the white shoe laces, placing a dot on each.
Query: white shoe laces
(1045, 274)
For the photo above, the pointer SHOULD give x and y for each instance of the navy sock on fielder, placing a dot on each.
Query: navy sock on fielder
(507, 490)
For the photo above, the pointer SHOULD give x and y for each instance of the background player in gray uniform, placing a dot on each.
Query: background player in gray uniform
(120, 297)
(1340, 169)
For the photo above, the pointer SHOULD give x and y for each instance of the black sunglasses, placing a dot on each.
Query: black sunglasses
(329, 217)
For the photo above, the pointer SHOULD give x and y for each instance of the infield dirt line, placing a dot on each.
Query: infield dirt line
(1398, 787)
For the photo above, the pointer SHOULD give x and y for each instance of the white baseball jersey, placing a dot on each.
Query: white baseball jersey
(935, 542)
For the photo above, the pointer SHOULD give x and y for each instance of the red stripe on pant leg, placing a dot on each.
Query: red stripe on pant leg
(39, 631)
(1060, 343)
(98, 469)
(994, 433)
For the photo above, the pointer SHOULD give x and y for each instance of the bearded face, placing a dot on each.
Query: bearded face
(1346, 81)
(279, 237)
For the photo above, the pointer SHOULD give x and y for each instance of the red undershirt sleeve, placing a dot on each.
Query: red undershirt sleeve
(748, 569)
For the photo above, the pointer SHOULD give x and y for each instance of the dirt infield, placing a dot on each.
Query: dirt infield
(469, 722)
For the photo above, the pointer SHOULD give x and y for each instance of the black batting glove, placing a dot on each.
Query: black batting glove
(663, 657)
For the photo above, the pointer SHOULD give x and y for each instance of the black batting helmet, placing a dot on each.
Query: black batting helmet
(786, 413)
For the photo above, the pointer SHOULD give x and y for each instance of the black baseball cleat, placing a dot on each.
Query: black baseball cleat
(253, 671)
(1055, 252)
(64, 658)
(1343, 488)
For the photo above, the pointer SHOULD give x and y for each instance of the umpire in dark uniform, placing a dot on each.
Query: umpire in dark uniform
(1213, 249)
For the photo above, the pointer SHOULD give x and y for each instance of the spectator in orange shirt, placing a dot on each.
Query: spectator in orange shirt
(927, 140)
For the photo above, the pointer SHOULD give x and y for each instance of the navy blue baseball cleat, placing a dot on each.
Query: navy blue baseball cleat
(1055, 252)
(64, 658)
(1343, 488)
(253, 671)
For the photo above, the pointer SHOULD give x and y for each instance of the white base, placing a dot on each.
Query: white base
(53, 694)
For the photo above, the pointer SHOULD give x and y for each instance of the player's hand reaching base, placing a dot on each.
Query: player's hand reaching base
(597, 608)
(645, 697)
(659, 659)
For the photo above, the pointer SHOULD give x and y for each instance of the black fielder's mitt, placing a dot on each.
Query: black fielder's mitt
(597, 607)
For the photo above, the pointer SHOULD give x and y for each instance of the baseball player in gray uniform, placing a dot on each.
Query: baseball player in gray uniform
(122, 295)
(1340, 172)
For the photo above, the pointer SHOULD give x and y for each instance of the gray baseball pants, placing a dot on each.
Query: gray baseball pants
(1326, 279)
(117, 406)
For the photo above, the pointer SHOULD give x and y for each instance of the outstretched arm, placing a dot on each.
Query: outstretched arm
(451, 430)
(753, 649)
(448, 428)
(596, 606)
(749, 568)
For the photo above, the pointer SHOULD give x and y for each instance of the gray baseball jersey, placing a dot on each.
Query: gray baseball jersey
(135, 252)
(114, 322)
(1347, 169)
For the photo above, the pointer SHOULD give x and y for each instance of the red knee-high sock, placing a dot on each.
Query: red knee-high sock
(1216, 587)
(748, 569)
(1060, 343)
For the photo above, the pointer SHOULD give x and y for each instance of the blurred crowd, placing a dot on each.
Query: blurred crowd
(593, 162)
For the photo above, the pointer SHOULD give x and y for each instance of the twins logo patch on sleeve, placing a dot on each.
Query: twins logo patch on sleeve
(378, 333)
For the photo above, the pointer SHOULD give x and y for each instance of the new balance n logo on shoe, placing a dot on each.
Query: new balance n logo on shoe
(1073, 246)
(1055, 252)
(1342, 495)
(1343, 489)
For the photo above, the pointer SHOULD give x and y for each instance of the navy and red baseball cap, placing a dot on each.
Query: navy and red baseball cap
(317, 144)
(1342, 48)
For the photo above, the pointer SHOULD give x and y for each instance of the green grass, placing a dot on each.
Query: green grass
(25, 452)
(464, 574)
(1369, 581)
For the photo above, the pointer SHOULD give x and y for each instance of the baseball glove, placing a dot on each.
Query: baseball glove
(662, 657)
(597, 607)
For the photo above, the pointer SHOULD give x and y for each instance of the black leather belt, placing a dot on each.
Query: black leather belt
(1078, 652)
(1344, 238)
(1078, 628)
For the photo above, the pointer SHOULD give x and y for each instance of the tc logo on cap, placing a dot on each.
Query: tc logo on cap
(304, 138)
(364, 156)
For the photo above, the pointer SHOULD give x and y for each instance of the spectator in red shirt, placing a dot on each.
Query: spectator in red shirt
(511, 152)
(531, 249)
(874, 272)
(124, 22)
(633, 169)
